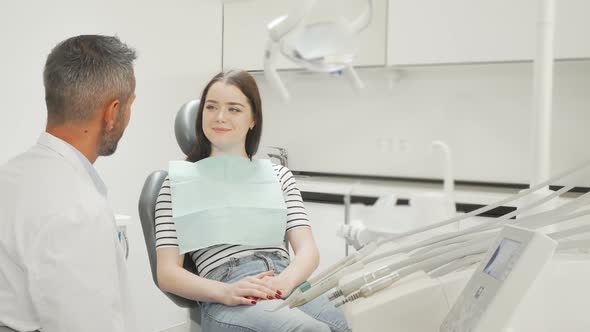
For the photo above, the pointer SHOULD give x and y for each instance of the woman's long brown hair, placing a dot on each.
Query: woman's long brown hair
(247, 84)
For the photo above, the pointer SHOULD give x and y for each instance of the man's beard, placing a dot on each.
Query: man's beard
(109, 140)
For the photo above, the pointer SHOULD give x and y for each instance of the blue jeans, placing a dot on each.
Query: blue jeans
(317, 315)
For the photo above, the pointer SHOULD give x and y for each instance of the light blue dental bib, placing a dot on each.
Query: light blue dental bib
(226, 200)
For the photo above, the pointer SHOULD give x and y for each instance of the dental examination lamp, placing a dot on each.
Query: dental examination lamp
(326, 46)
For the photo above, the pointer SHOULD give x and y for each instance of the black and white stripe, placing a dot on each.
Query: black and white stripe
(209, 258)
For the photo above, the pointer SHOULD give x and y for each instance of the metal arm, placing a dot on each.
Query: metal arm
(282, 156)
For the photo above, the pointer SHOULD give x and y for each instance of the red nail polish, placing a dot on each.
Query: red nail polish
(269, 297)
(278, 296)
(279, 292)
(253, 302)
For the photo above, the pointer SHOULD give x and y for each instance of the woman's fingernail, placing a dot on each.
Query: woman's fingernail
(279, 292)
(269, 297)
(253, 302)
(278, 296)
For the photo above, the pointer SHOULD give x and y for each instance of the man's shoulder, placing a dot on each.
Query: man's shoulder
(36, 161)
(39, 174)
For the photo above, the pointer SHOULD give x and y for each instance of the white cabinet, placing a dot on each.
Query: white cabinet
(325, 220)
(465, 31)
(406, 32)
(572, 28)
(245, 34)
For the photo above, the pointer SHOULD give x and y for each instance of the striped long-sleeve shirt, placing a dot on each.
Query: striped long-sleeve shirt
(209, 258)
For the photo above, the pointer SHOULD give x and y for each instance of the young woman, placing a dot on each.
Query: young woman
(238, 284)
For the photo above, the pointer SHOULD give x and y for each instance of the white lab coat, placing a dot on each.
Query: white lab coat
(61, 264)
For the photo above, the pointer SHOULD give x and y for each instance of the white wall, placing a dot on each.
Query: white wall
(179, 48)
(482, 111)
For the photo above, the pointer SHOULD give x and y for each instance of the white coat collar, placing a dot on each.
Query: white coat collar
(74, 156)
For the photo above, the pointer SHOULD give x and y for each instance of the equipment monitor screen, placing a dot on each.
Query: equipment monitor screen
(499, 262)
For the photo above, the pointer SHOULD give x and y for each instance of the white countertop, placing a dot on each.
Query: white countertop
(402, 189)
(122, 220)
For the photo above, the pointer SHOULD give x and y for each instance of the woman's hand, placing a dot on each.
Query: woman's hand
(279, 283)
(248, 290)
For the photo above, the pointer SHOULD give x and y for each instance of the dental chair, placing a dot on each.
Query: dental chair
(8, 329)
(184, 128)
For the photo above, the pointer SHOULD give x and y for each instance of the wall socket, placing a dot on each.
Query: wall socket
(393, 145)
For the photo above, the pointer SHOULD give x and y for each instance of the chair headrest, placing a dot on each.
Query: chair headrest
(184, 126)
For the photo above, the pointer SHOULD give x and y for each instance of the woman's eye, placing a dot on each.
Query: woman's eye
(210, 107)
(235, 109)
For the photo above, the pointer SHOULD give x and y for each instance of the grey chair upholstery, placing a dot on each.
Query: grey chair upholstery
(8, 329)
(184, 128)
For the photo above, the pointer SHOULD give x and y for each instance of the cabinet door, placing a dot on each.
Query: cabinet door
(325, 220)
(571, 29)
(463, 31)
(245, 34)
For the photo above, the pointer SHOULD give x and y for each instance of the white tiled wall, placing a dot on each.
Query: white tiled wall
(483, 112)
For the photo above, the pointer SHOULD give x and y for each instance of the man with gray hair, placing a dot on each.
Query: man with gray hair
(61, 262)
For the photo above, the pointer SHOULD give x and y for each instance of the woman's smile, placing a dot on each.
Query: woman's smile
(221, 130)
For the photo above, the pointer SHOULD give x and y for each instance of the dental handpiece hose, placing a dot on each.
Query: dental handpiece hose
(326, 280)
(372, 288)
(426, 265)
(574, 231)
(370, 248)
(364, 279)
(353, 285)
(484, 234)
(325, 285)
(344, 262)
(463, 239)
(442, 238)
(299, 297)
(363, 253)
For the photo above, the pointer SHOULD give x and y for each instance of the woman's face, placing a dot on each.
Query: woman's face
(227, 117)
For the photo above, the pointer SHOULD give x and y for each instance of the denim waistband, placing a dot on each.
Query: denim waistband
(262, 255)
(270, 258)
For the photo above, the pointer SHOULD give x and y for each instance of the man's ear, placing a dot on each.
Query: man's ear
(111, 114)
